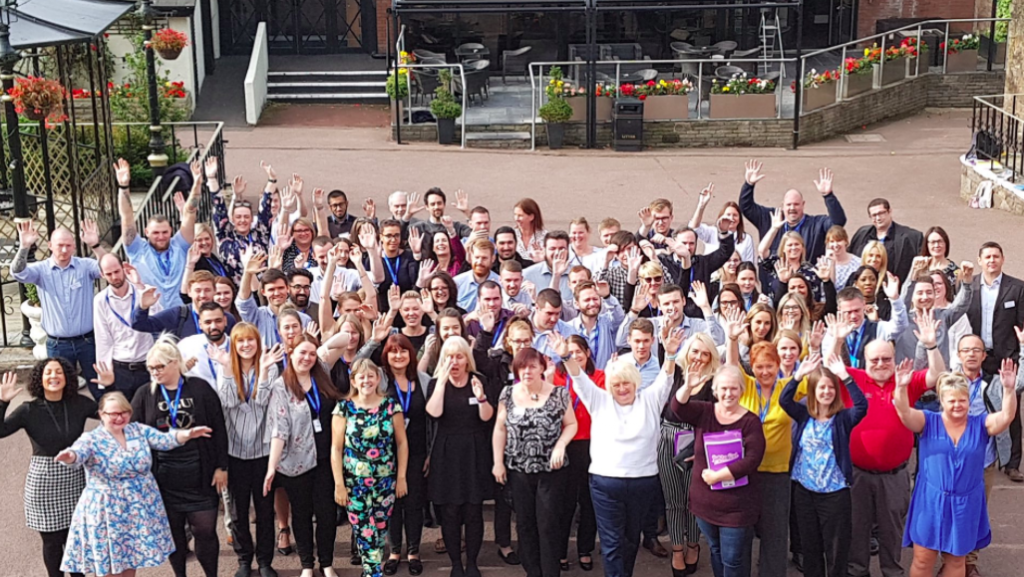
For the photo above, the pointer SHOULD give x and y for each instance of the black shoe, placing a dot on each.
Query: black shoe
(286, 551)
(458, 571)
(691, 568)
(415, 567)
(267, 571)
(563, 565)
(473, 571)
(391, 566)
(587, 565)
(798, 560)
(243, 571)
(874, 547)
(511, 558)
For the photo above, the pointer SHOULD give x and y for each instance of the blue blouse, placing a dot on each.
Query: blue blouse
(816, 468)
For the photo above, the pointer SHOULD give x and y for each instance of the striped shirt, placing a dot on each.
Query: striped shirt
(248, 436)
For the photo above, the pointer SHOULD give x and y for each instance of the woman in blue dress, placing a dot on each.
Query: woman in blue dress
(120, 523)
(948, 513)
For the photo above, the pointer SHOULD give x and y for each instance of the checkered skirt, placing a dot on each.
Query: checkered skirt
(51, 493)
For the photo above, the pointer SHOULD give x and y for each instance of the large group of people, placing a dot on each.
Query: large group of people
(301, 368)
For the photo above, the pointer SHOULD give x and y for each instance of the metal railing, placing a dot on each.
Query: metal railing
(399, 48)
(998, 133)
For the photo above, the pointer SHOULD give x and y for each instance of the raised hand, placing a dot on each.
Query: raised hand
(826, 269)
(427, 303)
(604, 290)
(560, 262)
(892, 286)
(415, 240)
(318, 198)
(132, 274)
(558, 343)
(415, 204)
(253, 259)
(782, 271)
(196, 167)
(194, 255)
(370, 209)
(824, 182)
(634, 258)
(840, 327)
(104, 374)
(640, 298)
(9, 387)
(123, 171)
(695, 376)
(394, 297)
(817, 335)
(179, 203)
(90, 233)
(919, 265)
(238, 185)
(211, 168)
(966, 271)
(927, 328)
(219, 355)
(645, 216)
(190, 362)
(487, 320)
(835, 364)
(271, 357)
(752, 172)
(313, 330)
(427, 269)
(448, 224)
(536, 251)
(788, 322)
(778, 219)
(808, 366)
(1007, 375)
(706, 194)
(275, 259)
(531, 290)
(904, 372)
(735, 324)
(289, 201)
(367, 238)
(672, 339)
(700, 295)
(478, 387)
(271, 173)
(461, 201)
(28, 236)
(296, 184)
(647, 248)
(149, 297)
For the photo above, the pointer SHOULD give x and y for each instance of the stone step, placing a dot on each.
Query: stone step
(512, 140)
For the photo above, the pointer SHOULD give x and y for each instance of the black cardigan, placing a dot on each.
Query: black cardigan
(205, 411)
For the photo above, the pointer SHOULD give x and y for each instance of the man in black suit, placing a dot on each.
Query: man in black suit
(902, 243)
(997, 308)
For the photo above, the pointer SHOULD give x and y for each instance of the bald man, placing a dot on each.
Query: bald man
(64, 283)
(811, 227)
(118, 346)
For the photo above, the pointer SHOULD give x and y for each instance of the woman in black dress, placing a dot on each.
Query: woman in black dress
(53, 419)
(460, 459)
(191, 477)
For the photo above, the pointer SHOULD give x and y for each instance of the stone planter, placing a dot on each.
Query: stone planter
(556, 135)
(1000, 50)
(446, 131)
(667, 107)
(854, 84)
(963, 61)
(579, 108)
(893, 71)
(742, 106)
(820, 97)
(34, 314)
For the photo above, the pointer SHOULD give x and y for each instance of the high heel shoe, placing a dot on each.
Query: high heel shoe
(286, 551)
(679, 572)
(587, 565)
(691, 568)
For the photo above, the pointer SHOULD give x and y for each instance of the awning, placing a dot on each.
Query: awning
(42, 23)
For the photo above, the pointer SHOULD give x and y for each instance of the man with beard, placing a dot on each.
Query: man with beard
(300, 286)
(181, 321)
(436, 202)
(489, 307)
(274, 287)
(213, 321)
(339, 221)
(117, 343)
(518, 293)
(159, 257)
(600, 315)
(481, 257)
(554, 271)
(245, 227)
(505, 245)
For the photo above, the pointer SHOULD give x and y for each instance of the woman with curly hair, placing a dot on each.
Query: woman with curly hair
(52, 419)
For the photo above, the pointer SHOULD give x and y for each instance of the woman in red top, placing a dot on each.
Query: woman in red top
(578, 452)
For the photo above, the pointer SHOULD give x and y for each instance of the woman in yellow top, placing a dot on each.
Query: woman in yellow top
(761, 397)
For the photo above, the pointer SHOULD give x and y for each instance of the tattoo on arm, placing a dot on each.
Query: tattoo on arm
(20, 261)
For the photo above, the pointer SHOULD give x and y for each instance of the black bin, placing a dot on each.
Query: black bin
(628, 124)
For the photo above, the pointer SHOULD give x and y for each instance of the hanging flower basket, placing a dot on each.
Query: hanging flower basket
(39, 99)
(169, 43)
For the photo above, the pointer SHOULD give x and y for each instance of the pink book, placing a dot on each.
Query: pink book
(722, 449)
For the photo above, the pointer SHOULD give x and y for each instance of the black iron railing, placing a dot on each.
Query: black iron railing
(998, 134)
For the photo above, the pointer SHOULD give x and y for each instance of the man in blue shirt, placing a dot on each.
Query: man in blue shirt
(481, 257)
(159, 258)
(600, 315)
(274, 288)
(183, 320)
(554, 271)
(64, 283)
(547, 319)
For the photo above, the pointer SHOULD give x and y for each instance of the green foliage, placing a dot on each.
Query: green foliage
(397, 85)
(555, 110)
(32, 294)
(444, 105)
(1003, 10)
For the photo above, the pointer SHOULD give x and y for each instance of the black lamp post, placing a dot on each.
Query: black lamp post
(157, 157)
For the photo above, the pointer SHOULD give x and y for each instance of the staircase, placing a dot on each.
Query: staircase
(350, 87)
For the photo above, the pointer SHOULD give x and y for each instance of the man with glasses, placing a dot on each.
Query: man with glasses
(300, 287)
(656, 223)
(902, 243)
(339, 221)
(400, 267)
(245, 226)
(854, 330)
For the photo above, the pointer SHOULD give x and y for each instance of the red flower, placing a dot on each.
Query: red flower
(650, 83)
(643, 97)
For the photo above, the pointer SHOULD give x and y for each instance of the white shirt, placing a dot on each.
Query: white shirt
(624, 439)
(593, 260)
(115, 338)
(989, 295)
(205, 368)
(348, 278)
(709, 236)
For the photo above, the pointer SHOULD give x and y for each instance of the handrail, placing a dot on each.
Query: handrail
(462, 75)
(908, 27)
(984, 99)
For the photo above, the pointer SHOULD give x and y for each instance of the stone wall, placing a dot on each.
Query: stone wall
(1015, 51)
(1002, 198)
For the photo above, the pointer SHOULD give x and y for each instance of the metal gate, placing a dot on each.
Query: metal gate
(301, 26)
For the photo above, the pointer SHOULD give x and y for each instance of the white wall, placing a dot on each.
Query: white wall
(256, 77)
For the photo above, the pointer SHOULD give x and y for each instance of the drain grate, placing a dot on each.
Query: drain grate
(859, 138)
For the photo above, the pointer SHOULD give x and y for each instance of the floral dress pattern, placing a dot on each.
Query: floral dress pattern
(233, 244)
(371, 466)
(120, 522)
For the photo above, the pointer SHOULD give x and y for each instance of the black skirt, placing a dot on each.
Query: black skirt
(460, 470)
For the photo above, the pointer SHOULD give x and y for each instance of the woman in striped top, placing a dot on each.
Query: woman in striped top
(244, 390)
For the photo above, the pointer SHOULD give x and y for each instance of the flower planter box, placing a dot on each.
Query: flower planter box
(742, 106)
(893, 71)
(667, 107)
(854, 84)
(579, 108)
(820, 97)
(963, 61)
(1000, 50)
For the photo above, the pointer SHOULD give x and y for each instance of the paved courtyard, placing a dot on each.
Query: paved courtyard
(915, 165)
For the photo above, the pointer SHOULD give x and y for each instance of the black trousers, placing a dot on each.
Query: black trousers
(452, 520)
(245, 483)
(127, 380)
(53, 552)
(539, 502)
(1015, 441)
(407, 515)
(825, 529)
(502, 518)
(578, 493)
(203, 525)
(312, 493)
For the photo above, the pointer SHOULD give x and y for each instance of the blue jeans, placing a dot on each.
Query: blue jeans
(80, 351)
(621, 505)
(730, 548)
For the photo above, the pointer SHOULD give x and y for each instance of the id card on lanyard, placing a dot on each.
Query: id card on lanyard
(314, 402)
(172, 408)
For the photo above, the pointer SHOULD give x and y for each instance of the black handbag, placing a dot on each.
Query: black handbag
(684, 455)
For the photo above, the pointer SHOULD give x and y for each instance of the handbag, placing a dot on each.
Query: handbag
(684, 450)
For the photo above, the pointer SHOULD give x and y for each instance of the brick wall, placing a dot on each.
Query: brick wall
(871, 11)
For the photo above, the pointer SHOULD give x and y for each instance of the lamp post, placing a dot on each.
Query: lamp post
(157, 157)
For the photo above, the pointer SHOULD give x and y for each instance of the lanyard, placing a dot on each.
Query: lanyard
(651, 309)
(172, 409)
(798, 225)
(854, 346)
(747, 300)
(195, 319)
(218, 268)
(597, 340)
(164, 260)
(131, 310)
(251, 386)
(572, 393)
(213, 370)
(497, 333)
(404, 400)
(795, 369)
(975, 389)
(763, 409)
(393, 268)
(314, 399)
(67, 427)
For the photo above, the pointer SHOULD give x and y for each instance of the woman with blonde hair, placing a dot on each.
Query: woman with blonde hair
(299, 253)
(651, 276)
(875, 256)
(792, 313)
(340, 351)
(192, 477)
(244, 388)
(790, 259)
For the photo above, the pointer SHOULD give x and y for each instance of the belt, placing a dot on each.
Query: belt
(889, 472)
(78, 338)
(139, 366)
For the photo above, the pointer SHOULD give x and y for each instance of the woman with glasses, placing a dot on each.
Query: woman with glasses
(443, 295)
(191, 477)
(299, 252)
(120, 523)
(936, 249)
(651, 277)
(52, 419)
(729, 299)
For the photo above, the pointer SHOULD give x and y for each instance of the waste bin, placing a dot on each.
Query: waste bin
(930, 37)
(628, 124)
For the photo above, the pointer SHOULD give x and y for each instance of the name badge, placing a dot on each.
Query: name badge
(75, 285)
(1009, 304)
(132, 445)
(519, 411)
(317, 427)
(474, 401)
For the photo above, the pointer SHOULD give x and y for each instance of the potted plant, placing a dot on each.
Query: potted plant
(397, 87)
(605, 99)
(168, 43)
(962, 53)
(819, 90)
(556, 111)
(663, 100)
(1003, 9)
(894, 68)
(34, 313)
(858, 76)
(742, 97)
(445, 109)
(39, 99)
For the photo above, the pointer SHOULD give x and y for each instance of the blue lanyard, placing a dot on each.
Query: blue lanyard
(216, 266)
(314, 399)
(251, 386)
(172, 409)
(195, 319)
(164, 260)
(119, 317)
(795, 369)
(766, 408)
(497, 333)
(597, 340)
(975, 390)
(798, 225)
(393, 268)
(651, 308)
(572, 393)
(404, 400)
(854, 346)
(213, 370)
(747, 300)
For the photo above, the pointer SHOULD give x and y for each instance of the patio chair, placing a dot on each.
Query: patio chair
(725, 47)
(471, 51)
(727, 72)
(678, 47)
(426, 80)
(748, 67)
(421, 53)
(476, 80)
(514, 62)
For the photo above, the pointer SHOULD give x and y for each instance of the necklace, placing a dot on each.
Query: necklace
(534, 397)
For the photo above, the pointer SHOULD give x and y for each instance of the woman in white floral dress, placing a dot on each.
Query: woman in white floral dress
(119, 523)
